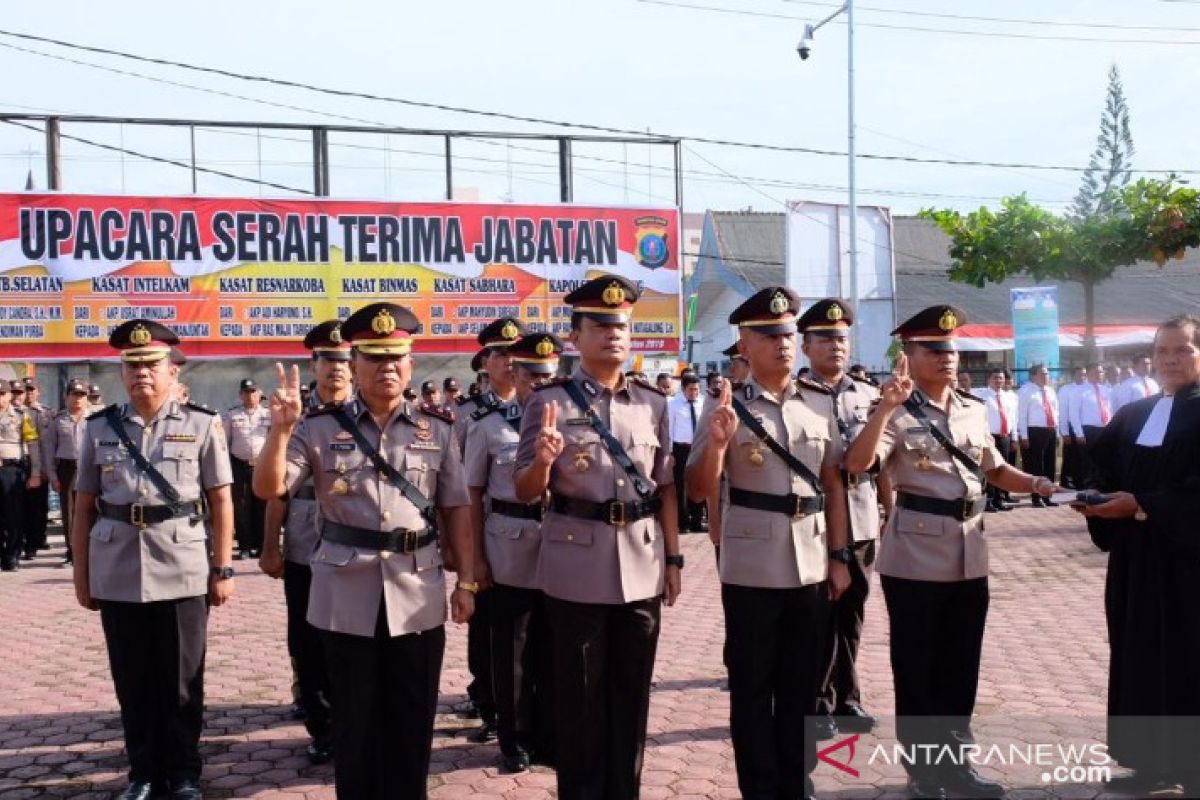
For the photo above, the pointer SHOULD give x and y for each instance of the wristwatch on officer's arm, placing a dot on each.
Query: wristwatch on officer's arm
(468, 586)
(222, 573)
(842, 554)
(675, 560)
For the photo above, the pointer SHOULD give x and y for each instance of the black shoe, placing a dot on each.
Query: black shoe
(544, 757)
(926, 786)
(319, 750)
(242, 555)
(825, 727)
(468, 710)
(254, 553)
(701, 527)
(966, 782)
(28, 556)
(1036, 501)
(186, 789)
(484, 733)
(1048, 503)
(516, 760)
(1002, 507)
(8, 566)
(990, 508)
(138, 790)
(66, 562)
(298, 712)
(853, 719)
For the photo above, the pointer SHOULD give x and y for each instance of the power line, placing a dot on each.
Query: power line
(345, 93)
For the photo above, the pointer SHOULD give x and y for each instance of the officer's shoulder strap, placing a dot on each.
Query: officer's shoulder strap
(466, 398)
(812, 386)
(965, 395)
(490, 404)
(434, 411)
(736, 385)
(865, 380)
(103, 412)
(200, 408)
(327, 408)
(645, 384)
(559, 381)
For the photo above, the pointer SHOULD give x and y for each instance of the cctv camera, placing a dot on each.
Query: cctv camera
(804, 49)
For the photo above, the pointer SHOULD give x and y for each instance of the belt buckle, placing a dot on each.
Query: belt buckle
(136, 516)
(798, 511)
(616, 513)
(410, 542)
(968, 509)
(852, 481)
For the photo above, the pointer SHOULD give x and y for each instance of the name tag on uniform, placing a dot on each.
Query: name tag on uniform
(917, 429)
(106, 443)
(424, 446)
(180, 437)
(343, 447)
(579, 421)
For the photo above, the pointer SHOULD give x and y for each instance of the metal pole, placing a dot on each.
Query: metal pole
(320, 162)
(566, 190)
(679, 175)
(53, 153)
(193, 134)
(850, 151)
(449, 171)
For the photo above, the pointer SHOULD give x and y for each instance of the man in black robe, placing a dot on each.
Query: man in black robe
(1148, 462)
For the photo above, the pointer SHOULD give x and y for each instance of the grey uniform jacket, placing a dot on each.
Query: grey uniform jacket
(589, 561)
(167, 560)
(511, 545)
(767, 549)
(348, 583)
(931, 547)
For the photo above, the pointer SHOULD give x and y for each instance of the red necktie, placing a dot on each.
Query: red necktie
(1046, 408)
(1003, 416)
(1103, 405)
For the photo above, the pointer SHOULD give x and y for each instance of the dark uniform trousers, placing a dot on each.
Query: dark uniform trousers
(1086, 467)
(12, 507)
(1004, 445)
(774, 675)
(249, 512)
(691, 515)
(37, 509)
(1038, 457)
(156, 653)
(936, 640)
(522, 670)
(479, 657)
(839, 687)
(64, 470)
(1070, 461)
(306, 651)
(383, 752)
(603, 663)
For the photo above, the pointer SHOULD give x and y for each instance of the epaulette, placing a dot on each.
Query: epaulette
(648, 385)
(102, 412)
(200, 408)
(492, 404)
(867, 381)
(736, 385)
(322, 409)
(813, 386)
(434, 411)
(458, 401)
(234, 407)
(965, 395)
(559, 381)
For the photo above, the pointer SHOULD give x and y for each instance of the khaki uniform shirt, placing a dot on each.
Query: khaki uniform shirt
(63, 438)
(302, 527)
(764, 548)
(246, 431)
(347, 582)
(511, 544)
(19, 438)
(931, 547)
(166, 560)
(462, 414)
(589, 561)
(852, 403)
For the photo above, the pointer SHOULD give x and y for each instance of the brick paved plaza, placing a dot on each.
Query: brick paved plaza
(1044, 676)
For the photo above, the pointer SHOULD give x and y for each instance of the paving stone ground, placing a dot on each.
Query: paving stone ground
(1043, 680)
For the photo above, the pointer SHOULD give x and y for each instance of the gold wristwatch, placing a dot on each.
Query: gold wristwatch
(468, 586)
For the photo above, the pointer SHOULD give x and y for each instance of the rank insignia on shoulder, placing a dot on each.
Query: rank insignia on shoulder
(200, 408)
(805, 383)
(180, 437)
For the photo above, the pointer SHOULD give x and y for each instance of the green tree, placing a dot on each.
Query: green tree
(1110, 167)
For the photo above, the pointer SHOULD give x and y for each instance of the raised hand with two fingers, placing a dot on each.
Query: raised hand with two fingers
(896, 390)
(285, 401)
(549, 441)
(723, 420)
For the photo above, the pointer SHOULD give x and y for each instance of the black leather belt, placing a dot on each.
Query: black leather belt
(141, 515)
(518, 510)
(305, 493)
(614, 512)
(792, 505)
(400, 540)
(960, 510)
(852, 481)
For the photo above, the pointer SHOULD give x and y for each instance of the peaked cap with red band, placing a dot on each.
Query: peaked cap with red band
(142, 341)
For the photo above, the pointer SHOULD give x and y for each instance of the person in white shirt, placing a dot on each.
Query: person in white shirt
(1136, 387)
(1002, 419)
(1072, 475)
(1037, 427)
(1091, 406)
(684, 409)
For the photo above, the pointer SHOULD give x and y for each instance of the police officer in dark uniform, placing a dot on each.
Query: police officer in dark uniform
(150, 473)
(933, 561)
(599, 442)
(296, 518)
(385, 475)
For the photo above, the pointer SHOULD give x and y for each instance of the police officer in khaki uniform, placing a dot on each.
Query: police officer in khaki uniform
(37, 508)
(60, 452)
(385, 476)
(20, 471)
(150, 473)
(825, 330)
(933, 561)
(610, 542)
(509, 534)
(739, 367)
(296, 518)
(246, 430)
(783, 535)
